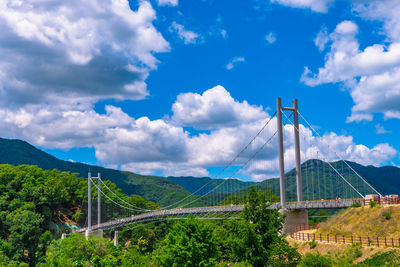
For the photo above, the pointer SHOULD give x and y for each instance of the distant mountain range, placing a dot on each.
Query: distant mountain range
(319, 180)
(157, 189)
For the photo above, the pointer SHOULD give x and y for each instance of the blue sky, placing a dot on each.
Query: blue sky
(173, 87)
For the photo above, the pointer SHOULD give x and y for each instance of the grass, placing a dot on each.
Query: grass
(382, 221)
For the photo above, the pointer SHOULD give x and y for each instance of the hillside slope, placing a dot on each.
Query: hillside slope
(364, 221)
(153, 188)
(203, 185)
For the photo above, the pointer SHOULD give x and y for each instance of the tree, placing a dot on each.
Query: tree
(25, 233)
(263, 240)
(189, 243)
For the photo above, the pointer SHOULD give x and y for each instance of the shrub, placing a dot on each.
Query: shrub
(312, 244)
(387, 215)
(315, 260)
(372, 204)
(356, 205)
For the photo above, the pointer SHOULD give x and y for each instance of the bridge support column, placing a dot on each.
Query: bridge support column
(293, 218)
(297, 150)
(87, 233)
(281, 153)
(116, 238)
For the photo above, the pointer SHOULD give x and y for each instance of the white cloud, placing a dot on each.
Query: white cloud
(381, 130)
(150, 146)
(167, 2)
(270, 38)
(314, 5)
(371, 74)
(74, 50)
(322, 39)
(188, 37)
(234, 62)
(215, 108)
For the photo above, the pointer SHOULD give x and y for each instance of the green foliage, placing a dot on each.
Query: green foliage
(77, 251)
(390, 258)
(356, 205)
(31, 199)
(262, 243)
(312, 244)
(315, 260)
(372, 204)
(189, 243)
(387, 215)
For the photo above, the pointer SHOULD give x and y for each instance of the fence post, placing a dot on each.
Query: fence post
(392, 243)
(352, 239)
(328, 237)
(377, 241)
(308, 236)
(385, 242)
(320, 237)
(361, 240)
(344, 241)
(335, 238)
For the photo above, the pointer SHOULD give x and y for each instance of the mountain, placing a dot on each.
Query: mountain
(319, 180)
(157, 189)
(204, 185)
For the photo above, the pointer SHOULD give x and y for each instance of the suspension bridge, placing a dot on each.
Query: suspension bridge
(316, 183)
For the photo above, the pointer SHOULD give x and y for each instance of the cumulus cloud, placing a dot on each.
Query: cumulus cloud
(381, 130)
(167, 2)
(83, 51)
(315, 5)
(371, 74)
(163, 145)
(234, 62)
(270, 38)
(188, 37)
(322, 39)
(215, 108)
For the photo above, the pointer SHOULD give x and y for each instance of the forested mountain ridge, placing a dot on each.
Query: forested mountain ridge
(165, 191)
(153, 188)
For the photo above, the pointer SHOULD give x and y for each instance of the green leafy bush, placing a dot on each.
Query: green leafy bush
(387, 215)
(315, 260)
(312, 244)
(372, 204)
(356, 205)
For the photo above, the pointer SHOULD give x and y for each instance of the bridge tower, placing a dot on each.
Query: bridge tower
(279, 111)
(89, 220)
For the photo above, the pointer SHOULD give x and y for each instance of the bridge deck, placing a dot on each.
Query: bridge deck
(157, 214)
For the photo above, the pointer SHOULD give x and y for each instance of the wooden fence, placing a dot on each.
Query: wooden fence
(299, 234)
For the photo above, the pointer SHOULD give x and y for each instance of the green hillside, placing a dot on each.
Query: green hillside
(319, 180)
(153, 188)
(203, 185)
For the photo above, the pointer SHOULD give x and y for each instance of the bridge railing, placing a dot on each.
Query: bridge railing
(299, 232)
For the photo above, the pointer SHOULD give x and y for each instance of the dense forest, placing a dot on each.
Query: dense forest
(33, 200)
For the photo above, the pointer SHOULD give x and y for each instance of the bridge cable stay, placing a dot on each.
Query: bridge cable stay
(239, 169)
(348, 165)
(132, 206)
(344, 180)
(336, 169)
(226, 167)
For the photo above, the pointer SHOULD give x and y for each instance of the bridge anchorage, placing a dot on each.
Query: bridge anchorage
(316, 184)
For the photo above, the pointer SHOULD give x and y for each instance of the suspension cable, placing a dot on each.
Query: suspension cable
(251, 158)
(227, 166)
(122, 206)
(241, 167)
(331, 164)
(342, 158)
(121, 198)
